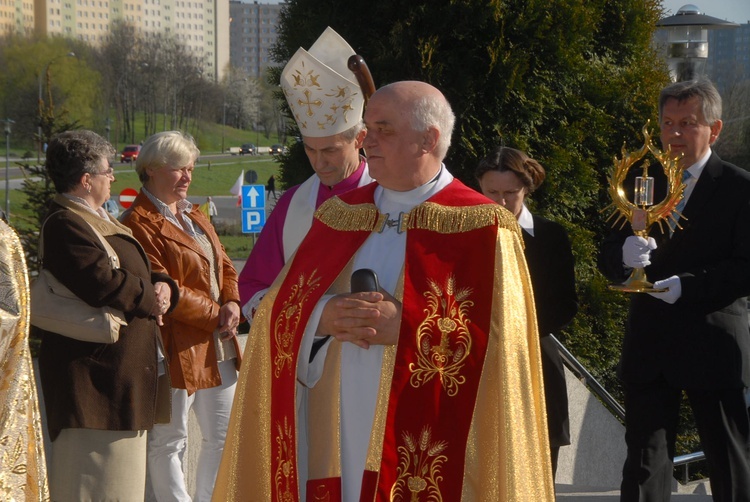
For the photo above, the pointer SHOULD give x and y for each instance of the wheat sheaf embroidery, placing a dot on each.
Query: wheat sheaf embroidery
(419, 468)
(443, 339)
(285, 470)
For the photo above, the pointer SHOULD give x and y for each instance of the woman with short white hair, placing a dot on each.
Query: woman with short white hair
(200, 334)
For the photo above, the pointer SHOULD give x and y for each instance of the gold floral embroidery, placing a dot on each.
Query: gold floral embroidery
(23, 473)
(285, 470)
(424, 473)
(343, 97)
(446, 319)
(287, 322)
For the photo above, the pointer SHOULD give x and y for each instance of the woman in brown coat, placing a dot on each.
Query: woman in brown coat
(100, 398)
(200, 335)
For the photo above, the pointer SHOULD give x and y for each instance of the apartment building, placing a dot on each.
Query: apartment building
(17, 16)
(201, 25)
(252, 34)
(729, 55)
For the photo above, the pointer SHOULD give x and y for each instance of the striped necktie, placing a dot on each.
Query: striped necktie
(681, 205)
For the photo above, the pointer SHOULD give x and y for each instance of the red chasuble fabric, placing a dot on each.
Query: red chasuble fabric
(299, 293)
(439, 362)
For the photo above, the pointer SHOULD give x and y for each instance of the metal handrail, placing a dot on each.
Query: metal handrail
(686, 460)
(589, 380)
(610, 402)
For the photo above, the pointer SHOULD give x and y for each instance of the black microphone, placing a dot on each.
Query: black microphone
(364, 280)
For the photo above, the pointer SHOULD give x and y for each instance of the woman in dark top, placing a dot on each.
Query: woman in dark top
(508, 176)
(100, 398)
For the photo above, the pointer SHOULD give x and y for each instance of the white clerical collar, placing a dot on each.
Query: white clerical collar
(394, 205)
(384, 197)
(526, 221)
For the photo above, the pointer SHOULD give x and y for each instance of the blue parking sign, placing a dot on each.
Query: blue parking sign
(253, 220)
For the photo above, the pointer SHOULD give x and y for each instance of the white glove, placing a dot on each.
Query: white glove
(673, 292)
(636, 251)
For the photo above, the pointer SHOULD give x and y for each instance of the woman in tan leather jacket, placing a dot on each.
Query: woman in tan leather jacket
(200, 334)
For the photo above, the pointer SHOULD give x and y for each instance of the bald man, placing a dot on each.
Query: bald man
(432, 383)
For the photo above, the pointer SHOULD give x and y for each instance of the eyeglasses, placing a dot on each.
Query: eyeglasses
(108, 172)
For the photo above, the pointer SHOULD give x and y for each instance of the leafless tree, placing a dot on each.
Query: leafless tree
(733, 144)
(152, 74)
(241, 98)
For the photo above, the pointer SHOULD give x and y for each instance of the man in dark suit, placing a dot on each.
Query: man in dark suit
(694, 336)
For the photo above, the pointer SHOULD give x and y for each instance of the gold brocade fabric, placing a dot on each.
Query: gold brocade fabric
(244, 472)
(23, 473)
(510, 407)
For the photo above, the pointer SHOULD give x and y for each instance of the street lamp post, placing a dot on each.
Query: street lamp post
(257, 126)
(8, 123)
(224, 121)
(45, 72)
(687, 41)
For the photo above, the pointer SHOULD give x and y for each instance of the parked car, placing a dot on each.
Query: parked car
(130, 153)
(276, 149)
(248, 148)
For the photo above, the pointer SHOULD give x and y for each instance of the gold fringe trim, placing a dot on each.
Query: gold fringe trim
(344, 217)
(456, 220)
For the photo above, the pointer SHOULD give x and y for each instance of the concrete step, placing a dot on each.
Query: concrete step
(697, 491)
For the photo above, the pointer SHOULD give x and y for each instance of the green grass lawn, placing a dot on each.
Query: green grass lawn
(215, 180)
(209, 137)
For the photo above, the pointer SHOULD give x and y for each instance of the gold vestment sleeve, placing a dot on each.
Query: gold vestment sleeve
(23, 473)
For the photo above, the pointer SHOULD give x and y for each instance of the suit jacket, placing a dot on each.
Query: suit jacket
(702, 340)
(188, 330)
(551, 266)
(552, 271)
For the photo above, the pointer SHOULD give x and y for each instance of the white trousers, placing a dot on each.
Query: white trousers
(167, 442)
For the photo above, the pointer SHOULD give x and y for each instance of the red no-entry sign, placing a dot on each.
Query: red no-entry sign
(127, 197)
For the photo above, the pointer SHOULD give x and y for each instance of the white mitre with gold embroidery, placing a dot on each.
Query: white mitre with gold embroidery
(321, 90)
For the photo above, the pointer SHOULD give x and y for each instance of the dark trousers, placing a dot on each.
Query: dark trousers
(651, 416)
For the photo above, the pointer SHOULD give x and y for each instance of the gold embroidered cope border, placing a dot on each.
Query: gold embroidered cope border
(285, 470)
(286, 323)
(23, 472)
